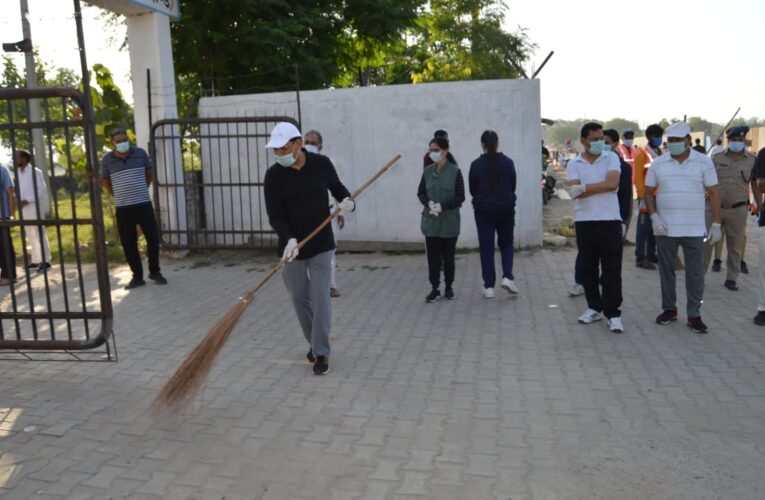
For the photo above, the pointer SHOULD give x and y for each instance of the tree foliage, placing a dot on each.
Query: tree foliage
(110, 110)
(241, 46)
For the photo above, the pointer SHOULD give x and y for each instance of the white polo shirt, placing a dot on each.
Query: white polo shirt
(680, 199)
(601, 206)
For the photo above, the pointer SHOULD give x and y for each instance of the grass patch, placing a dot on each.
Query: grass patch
(200, 263)
(85, 242)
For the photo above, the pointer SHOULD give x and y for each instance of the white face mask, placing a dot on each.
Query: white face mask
(629, 142)
(312, 149)
(435, 156)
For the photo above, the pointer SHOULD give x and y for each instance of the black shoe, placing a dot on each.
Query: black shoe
(33, 265)
(744, 267)
(667, 317)
(158, 279)
(44, 267)
(760, 318)
(310, 357)
(697, 325)
(716, 266)
(135, 283)
(653, 259)
(321, 366)
(433, 296)
(731, 285)
(644, 264)
(449, 293)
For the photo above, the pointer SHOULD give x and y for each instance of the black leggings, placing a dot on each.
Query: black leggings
(440, 250)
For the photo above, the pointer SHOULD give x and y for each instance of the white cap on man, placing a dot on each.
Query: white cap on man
(679, 129)
(282, 133)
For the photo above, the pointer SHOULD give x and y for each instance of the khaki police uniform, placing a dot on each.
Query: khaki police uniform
(734, 175)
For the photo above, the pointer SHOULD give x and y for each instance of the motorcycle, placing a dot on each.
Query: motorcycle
(547, 185)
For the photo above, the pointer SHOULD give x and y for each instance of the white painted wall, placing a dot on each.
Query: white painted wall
(150, 48)
(364, 127)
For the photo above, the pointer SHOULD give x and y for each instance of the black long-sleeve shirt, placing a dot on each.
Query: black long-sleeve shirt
(296, 202)
(459, 193)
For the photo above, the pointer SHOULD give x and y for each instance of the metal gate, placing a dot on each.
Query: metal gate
(208, 192)
(64, 311)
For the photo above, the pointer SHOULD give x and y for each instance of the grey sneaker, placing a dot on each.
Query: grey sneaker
(590, 316)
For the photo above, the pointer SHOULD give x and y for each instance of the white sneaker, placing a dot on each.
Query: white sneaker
(576, 290)
(488, 293)
(509, 286)
(590, 316)
(615, 325)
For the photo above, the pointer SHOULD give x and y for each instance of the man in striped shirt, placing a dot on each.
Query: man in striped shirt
(127, 173)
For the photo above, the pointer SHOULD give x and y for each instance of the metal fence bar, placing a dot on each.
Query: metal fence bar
(221, 181)
(48, 306)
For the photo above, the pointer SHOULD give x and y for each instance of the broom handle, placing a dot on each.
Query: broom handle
(251, 294)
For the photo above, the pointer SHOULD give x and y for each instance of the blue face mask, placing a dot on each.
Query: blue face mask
(736, 146)
(656, 142)
(122, 147)
(608, 147)
(629, 142)
(435, 156)
(596, 147)
(676, 148)
(285, 160)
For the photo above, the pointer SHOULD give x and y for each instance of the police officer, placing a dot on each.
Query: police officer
(734, 166)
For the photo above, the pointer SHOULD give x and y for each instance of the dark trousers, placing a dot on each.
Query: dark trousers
(440, 250)
(7, 255)
(600, 263)
(127, 220)
(502, 224)
(645, 242)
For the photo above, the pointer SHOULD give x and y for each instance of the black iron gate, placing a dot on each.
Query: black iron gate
(63, 311)
(208, 192)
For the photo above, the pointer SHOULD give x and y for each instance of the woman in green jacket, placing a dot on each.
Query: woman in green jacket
(441, 192)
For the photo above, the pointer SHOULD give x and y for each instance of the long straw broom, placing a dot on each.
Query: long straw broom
(191, 374)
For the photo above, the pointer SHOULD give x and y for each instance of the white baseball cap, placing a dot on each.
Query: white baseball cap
(282, 133)
(679, 129)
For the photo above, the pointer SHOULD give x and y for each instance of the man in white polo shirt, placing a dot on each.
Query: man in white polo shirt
(683, 177)
(593, 179)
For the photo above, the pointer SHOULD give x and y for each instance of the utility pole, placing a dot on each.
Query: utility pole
(34, 104)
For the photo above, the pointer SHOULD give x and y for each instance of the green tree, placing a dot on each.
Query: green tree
(110, 110)
(619, 124)
(464, 40)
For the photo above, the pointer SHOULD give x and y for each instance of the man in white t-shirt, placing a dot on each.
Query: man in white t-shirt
(593, 179)
(682, 178)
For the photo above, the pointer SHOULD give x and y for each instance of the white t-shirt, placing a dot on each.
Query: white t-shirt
(601, 206)
(682, 187)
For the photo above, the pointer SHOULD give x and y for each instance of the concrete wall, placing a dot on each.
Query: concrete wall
(364, 127)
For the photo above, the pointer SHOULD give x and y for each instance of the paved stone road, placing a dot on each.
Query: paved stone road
(470, 399)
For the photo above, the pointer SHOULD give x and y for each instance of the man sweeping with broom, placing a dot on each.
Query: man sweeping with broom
(295, 189)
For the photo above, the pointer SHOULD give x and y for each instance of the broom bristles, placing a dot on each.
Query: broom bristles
(190, 375)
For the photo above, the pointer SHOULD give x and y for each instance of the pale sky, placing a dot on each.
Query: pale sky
(648, 59)
(642, 60)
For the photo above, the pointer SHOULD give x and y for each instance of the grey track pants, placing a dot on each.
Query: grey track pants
(307, 282)
(693, 251)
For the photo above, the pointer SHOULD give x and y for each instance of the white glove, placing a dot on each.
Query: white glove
(641, 204)
(436, 207)
(576, 190)
(347, 205)
(291, 250)
(624, 230)
(714, 234)
(659, 226)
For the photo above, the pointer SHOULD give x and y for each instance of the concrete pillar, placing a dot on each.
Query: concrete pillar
(150, 48)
